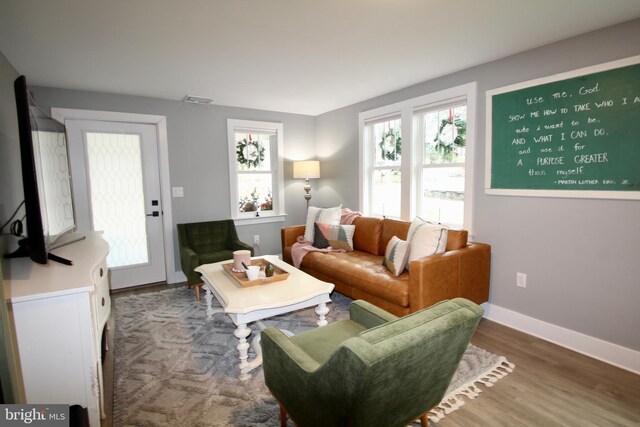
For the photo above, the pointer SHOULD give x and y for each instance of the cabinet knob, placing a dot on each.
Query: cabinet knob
(103, 301)
(101, 272)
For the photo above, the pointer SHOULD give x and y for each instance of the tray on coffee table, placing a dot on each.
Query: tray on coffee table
(241, 278)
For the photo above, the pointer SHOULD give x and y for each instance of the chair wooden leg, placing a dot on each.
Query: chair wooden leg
(283, 416)
(197, 286)
(424, 420)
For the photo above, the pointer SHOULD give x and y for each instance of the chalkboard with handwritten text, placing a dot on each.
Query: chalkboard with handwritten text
(571, 135)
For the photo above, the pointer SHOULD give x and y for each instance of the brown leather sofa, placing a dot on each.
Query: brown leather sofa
(461, 271)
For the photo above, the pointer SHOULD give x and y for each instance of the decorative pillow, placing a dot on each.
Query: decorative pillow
(336, 236)
(323, 215)
(396, 255)
(425, 239)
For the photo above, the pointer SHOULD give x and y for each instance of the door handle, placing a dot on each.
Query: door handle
(154, 213)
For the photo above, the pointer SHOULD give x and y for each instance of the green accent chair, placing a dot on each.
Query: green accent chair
(205, 243)
(374, 369)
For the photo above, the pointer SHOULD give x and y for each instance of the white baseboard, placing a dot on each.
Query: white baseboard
(605, 351)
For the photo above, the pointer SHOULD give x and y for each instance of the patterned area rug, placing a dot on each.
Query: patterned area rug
(174, 367)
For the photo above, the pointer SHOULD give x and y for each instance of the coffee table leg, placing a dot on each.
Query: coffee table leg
(208, 296)
(321, 311)
(242, 332)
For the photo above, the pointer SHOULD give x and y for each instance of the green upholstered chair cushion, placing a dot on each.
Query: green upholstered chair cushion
(385, 373)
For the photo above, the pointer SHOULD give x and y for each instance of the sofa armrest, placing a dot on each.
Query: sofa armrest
(463, 272)
(369, 315)
(289, 235)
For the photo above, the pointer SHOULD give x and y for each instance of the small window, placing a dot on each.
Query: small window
(255, 157)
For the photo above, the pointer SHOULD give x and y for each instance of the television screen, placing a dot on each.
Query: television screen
(46, 176)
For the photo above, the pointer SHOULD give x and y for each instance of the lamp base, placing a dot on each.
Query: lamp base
(307, 190)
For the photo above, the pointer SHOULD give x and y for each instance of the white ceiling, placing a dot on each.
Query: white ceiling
(301, 56)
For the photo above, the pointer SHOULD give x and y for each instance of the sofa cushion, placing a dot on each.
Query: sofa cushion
(426, 239)
(363, 271)
(324, 215)
(396, 255)
(336, 236)
(367, 235)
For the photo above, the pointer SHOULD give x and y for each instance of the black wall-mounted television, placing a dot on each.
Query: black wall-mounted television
(46, 179)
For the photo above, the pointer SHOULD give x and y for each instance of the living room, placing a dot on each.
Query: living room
(582, 279)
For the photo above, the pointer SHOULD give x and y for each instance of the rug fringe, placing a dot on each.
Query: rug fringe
(470, 390)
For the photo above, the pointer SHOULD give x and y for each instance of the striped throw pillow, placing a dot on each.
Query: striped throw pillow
(426, 239)
(396, 256)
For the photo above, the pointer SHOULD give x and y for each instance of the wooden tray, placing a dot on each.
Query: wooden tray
(241, 278)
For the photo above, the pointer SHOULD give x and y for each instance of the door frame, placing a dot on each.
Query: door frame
(160, 123)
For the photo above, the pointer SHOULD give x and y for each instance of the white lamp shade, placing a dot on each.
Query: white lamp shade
(306, 169)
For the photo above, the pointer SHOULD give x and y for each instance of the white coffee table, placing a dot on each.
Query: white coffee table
(252, 304)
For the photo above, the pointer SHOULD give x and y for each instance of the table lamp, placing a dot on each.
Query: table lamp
(308, 169)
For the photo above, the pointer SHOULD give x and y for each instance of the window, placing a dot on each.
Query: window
(441, 133)
(417, 158)
(255, 165)
(387, 175)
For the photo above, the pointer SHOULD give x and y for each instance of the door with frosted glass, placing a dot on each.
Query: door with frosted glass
(116, 187)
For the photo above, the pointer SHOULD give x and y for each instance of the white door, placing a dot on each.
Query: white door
(116, 188)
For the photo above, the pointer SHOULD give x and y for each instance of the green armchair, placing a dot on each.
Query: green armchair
(204, 243)
(373, 370)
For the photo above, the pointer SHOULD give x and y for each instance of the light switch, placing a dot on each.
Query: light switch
(177, 191)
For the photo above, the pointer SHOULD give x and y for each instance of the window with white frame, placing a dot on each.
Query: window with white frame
(387, 176)
(255, 166)
(417, 158)
(442, 135)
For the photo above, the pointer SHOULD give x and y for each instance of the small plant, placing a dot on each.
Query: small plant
(254, 202)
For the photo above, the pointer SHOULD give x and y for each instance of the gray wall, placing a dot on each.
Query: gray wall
(198, 155)
(580, 255)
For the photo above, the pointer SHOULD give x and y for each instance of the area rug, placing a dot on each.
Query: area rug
(175, 367)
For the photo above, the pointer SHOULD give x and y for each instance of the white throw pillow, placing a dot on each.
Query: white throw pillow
(396, 255)
(323, 215)
(425, 239)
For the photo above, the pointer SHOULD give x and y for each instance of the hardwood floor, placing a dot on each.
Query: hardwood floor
(550, 385)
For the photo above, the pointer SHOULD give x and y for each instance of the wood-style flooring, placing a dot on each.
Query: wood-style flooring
(550, 385)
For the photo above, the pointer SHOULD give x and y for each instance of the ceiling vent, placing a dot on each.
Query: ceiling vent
(191, 99)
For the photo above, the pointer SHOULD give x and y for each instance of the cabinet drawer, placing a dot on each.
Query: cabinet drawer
(102, 298)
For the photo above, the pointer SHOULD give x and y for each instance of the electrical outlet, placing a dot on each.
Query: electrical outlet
(256, 239)
(521, 280)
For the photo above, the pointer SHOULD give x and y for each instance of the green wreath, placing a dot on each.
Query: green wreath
(460, 128)
(391, 145)
(249, 153)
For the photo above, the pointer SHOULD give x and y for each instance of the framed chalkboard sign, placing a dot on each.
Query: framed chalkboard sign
(574, 134)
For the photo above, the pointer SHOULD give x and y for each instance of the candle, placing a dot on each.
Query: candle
(239, 257)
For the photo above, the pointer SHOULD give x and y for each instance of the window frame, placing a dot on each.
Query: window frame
(373, 166)
(277, 169)
(412, 150)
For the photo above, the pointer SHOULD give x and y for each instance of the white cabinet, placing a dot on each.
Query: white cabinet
(58, 314)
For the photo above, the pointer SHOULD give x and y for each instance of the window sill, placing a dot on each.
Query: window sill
(259, 219)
